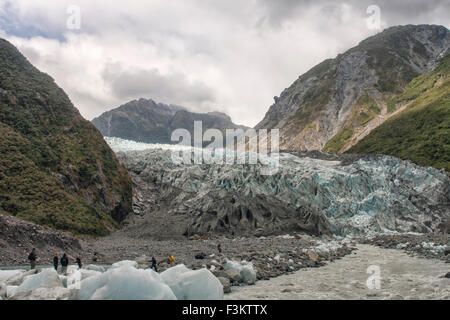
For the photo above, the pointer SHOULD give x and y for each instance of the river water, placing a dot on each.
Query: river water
(369, 273)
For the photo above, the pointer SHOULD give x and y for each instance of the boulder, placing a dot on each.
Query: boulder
(200, 256)
(312, 256)
(233, 275)
(226, 284)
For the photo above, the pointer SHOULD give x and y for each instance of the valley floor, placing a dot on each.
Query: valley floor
(402, 277)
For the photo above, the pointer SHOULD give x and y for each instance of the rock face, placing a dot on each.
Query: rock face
(343, 99)
(147, 121)
(347, 195)
(55, 167)
(17, 237)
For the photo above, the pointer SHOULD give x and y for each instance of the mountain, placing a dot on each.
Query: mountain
(139, 120)
(147, 121)
(421, 130)
(340, 101)
(55, 167)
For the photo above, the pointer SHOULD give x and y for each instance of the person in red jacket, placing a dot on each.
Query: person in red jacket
(219, 248)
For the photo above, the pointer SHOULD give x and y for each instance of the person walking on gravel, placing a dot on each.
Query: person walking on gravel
(219, 248)
(64, 263)
(32, 258)
(79, 262)
(154, 264)
(171, 260)
(55, 261)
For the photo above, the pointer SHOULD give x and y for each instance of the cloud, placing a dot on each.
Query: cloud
(204, 54)
(131, 84)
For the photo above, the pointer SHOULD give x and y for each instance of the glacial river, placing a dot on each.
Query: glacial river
(392, 274)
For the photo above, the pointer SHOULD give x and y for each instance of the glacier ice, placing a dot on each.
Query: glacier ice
(76, 276)
(189, 284)
(355, 195)
(245, 268)
(125, 283)
(56, 293)
(47, 278)
(95, 267)
(125, 263)
(122, 281)
(8, 274)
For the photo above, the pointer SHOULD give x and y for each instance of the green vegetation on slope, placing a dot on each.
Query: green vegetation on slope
(421, 132)
(338, 141)
(365, 109)
(55, 167)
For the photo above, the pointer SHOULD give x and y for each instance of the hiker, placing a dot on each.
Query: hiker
(154, 264)
(64, 264)
(219, 248)
(171, 260)
(32, 257)
(79, 262)
(56, 261)
(94, 259)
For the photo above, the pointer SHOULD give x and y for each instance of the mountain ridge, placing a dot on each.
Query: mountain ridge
(55, 169)
(144, 120)
(348, 92)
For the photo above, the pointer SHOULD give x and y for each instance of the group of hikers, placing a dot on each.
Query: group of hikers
(32, 257)
(64, 261)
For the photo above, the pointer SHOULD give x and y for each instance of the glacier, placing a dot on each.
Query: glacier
(311, 192)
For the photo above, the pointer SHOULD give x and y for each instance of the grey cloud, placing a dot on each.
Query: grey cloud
(232, 56)
(393, 12)
(167, 88)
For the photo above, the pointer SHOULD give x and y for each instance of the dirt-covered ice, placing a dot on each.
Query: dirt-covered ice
(402, 277)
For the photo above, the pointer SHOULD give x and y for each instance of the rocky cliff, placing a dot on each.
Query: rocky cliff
(147, 121)
(338, 102)
(55, 167)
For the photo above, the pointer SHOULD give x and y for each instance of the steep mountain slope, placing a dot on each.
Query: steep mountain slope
(343, 99)
(421, 131)
(55, 167)
(147, 121)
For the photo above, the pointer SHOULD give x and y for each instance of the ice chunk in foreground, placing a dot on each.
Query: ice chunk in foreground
(8, 274)
(43, 294)
(189, 284)
(95, 268)
(246, 270)
(125, 283)
(79, 275)
(124, 263)
(47, 278)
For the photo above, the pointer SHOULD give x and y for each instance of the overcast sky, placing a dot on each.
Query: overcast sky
(226, 55)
